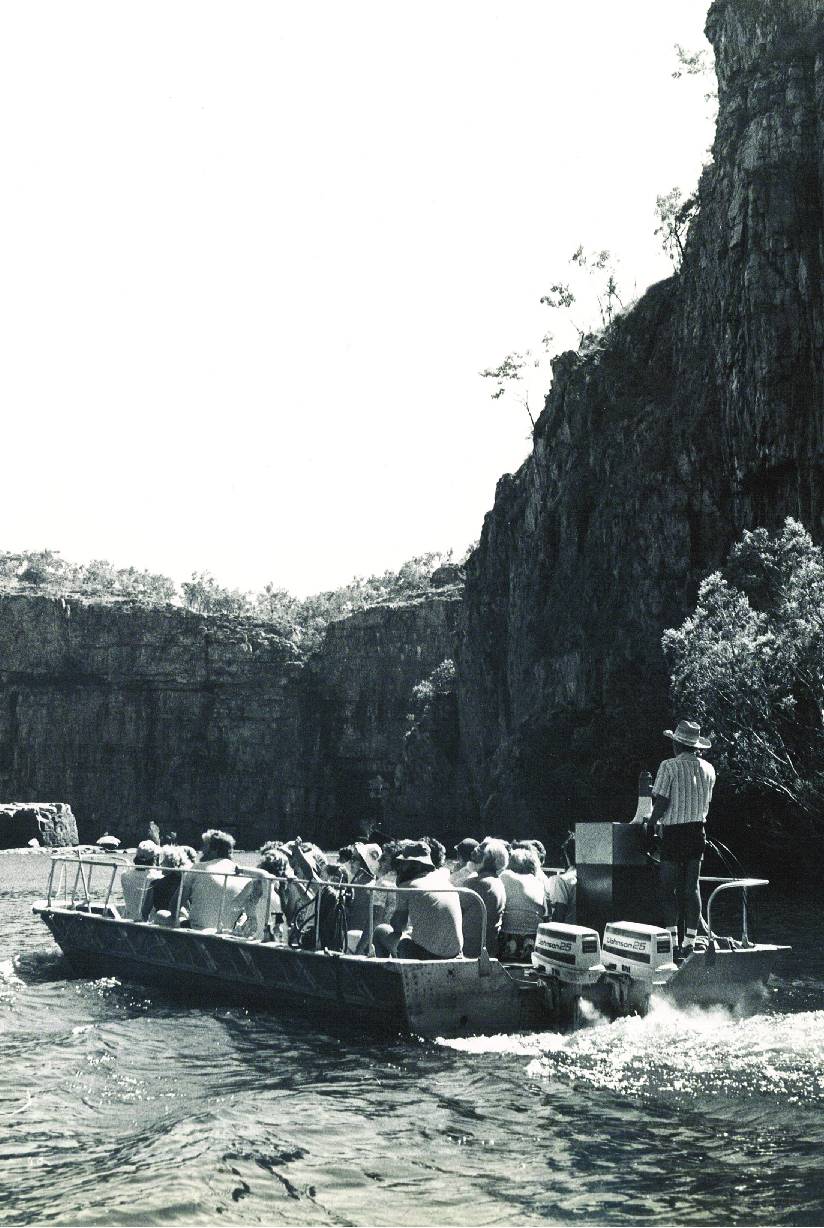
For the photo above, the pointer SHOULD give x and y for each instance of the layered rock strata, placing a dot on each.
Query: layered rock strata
(368, 667)
(136, 715)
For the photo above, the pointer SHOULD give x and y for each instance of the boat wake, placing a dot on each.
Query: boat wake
(680, 1053)
(8, 976)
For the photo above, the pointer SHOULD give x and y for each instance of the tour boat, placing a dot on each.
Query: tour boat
(615, 968)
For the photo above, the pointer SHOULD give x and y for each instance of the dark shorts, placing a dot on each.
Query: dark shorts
(683, 842)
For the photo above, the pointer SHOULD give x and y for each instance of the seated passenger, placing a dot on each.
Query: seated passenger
(561, 893)
(438, 853)
(363, 869)
(525, 906)
(464, 865)
(432, 916)
(136, 882)
(345, 856)
(485, 883)
(385, 901)
(331, 932)
(211, 885)
(309, 866)
(247, 912)
(160, 901)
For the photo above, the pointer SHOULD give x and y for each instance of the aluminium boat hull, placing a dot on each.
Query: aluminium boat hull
(428, 998)
(736, 978)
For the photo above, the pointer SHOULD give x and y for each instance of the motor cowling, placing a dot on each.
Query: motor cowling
(641, 952)
(569, 953)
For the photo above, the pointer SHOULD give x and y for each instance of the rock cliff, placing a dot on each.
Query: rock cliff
(133, 714)
(367, 668)
(697, 414)
(47, 824)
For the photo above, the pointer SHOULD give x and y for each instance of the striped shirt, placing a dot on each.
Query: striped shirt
(687, 781)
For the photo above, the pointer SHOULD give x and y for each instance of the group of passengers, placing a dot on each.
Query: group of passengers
(295, 893)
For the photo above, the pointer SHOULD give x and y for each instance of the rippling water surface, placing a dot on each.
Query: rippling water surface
(119, 1106)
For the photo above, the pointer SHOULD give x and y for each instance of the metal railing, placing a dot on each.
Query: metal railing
(83, 863)
(83, 884)
(730, 884)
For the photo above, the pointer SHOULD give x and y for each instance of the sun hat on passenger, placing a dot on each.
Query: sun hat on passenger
(368, 855)
(147, 853)
(417, 852)
(687, 733)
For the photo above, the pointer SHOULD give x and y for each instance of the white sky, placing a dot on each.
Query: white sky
(254, 256)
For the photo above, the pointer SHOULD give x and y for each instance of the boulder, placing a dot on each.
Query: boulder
(51, 824)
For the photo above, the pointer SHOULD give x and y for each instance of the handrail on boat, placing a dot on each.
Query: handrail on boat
(311, 889)
(317, 884)
(729, 884)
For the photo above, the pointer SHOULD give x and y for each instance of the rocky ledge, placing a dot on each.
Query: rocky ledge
(51, 824)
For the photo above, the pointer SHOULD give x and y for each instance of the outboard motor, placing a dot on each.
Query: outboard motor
(567, 959)
(637, 959)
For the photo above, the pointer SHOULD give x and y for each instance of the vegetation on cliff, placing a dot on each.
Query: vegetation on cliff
(302, 621)
(749, 664)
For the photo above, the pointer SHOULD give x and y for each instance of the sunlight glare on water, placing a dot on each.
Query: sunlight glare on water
(680, 1052)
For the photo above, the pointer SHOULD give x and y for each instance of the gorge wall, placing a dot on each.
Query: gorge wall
(367, 668)
(696, 415)
(133, 714)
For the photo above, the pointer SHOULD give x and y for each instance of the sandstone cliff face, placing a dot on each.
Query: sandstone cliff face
(135, 715)
(697, 415)
(368, 666)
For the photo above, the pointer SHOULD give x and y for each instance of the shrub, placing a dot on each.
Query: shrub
(749, 665)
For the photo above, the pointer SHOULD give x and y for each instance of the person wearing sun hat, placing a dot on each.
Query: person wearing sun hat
(681, 798)
(362, 870)
(431, 910)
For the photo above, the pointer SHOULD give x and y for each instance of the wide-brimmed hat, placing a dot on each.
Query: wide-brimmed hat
(418, 852)
(687, 733)
(147, 853)
(369, 855)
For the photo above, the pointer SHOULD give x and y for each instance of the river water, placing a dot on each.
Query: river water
(119, 1106)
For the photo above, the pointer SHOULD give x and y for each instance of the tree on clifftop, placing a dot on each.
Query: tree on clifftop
(596, 289)
(749, 666)
(204, 595)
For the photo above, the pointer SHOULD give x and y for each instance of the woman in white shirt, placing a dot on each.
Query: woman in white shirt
(525, 906)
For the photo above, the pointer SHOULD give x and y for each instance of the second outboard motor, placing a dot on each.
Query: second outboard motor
(636, 959)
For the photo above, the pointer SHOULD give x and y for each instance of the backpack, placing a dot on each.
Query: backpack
(331, 907)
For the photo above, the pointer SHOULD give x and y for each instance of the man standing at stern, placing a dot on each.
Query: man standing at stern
(681, 798)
